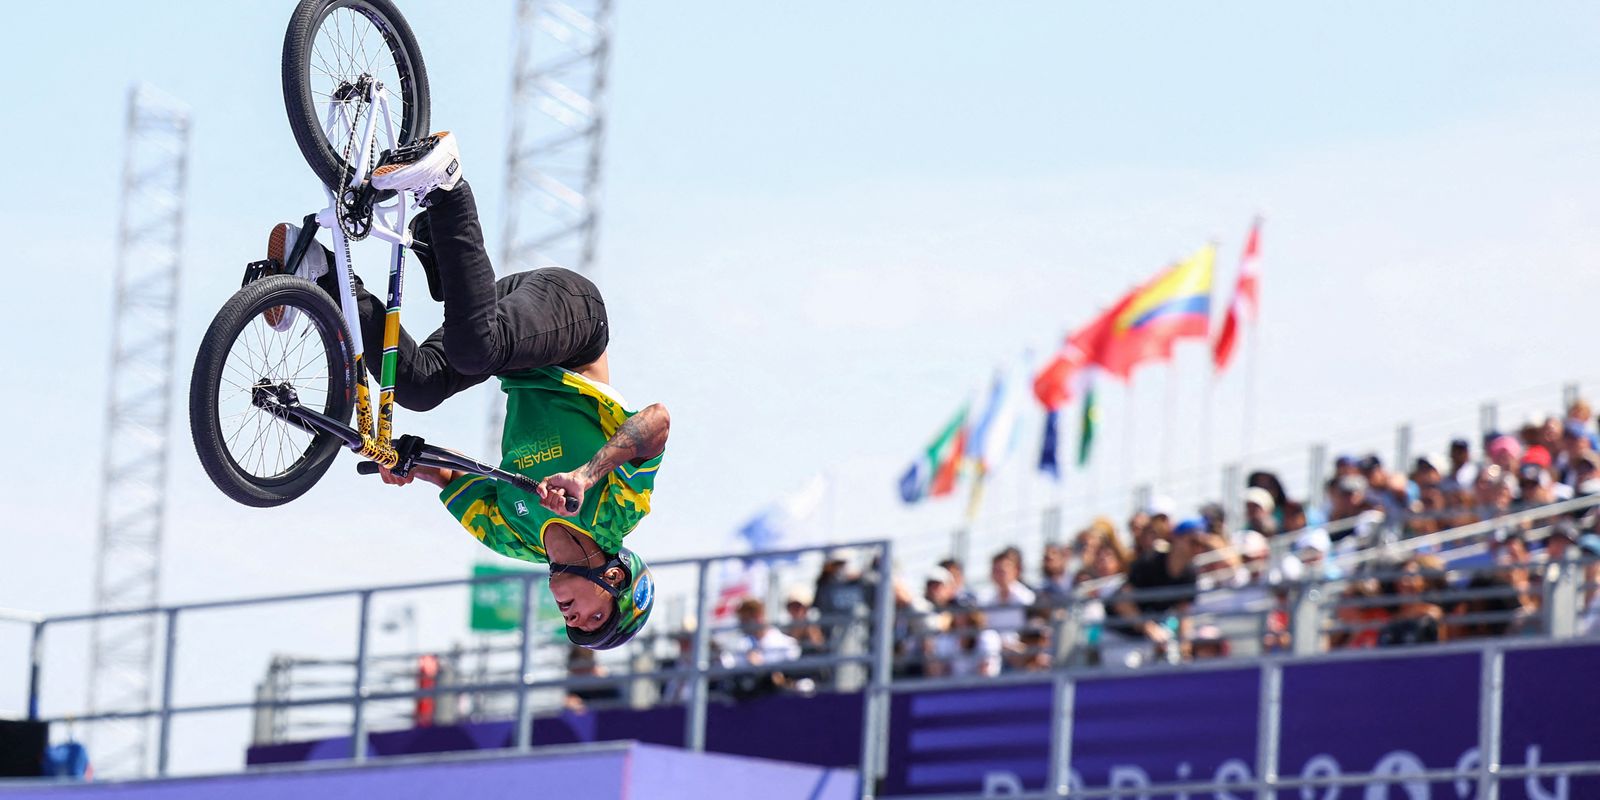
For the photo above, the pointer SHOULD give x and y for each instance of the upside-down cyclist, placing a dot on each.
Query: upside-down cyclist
(543, 333)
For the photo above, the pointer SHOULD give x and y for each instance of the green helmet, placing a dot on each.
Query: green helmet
(630, 603)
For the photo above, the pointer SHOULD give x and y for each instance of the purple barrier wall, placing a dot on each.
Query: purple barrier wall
(631, 772)
(1394, 715)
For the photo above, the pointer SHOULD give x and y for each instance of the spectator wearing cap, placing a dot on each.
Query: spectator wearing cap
(1258, 511)
(1215, 518)
(1348, 500)
(1505, 452)
(1157, 527)
(1256, 553)
(1262, 479)
(1160, 588)
(963, 594)
(1494, 491)
(1428, 472)
(939, 589)
(1346, 464)
(1534, 487)
(1314, 550)
(1562, 543)
(1006, 601)
(801, 627)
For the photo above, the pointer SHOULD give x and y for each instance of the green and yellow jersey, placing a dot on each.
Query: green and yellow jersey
(555, 422)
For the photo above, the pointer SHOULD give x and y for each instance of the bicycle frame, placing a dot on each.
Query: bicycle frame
(373, 437)
(389, 225)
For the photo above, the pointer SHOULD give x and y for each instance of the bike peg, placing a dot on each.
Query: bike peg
(366, 467)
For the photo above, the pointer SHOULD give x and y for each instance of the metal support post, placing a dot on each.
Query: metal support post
(1569, 395)
(168, 667)
(694, 733)
(1269, 729)
(524, 655)
(875, 732)
(1491, 696)
(1062, 700)
(1233, 493)
(35, 669)
(358, 725)
(1050, 524)
(1488, 419)
(1305, 620)
(961, 544)
(1561, 601)
(1141, 497)
(1402, 449)
(1317, 470)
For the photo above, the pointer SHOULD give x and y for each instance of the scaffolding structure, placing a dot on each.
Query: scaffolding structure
(553, 157)
(122, 652)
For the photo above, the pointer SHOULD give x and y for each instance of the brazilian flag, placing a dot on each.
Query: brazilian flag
(1091, 417)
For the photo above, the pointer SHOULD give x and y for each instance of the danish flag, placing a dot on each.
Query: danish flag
(1246, 300)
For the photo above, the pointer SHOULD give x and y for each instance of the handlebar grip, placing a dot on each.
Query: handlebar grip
(572, 505)
(365, 467)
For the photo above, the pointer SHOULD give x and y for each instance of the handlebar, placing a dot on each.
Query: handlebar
(365, 467)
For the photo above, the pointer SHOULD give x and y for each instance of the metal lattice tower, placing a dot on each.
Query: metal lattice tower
(553, 158)
(138, 416)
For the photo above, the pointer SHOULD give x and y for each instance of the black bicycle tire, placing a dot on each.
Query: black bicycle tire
(301, 106)
(205, 381)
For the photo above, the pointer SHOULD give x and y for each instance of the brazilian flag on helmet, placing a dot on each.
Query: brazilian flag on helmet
(631, 600)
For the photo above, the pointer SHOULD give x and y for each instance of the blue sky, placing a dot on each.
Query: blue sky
(825, 224)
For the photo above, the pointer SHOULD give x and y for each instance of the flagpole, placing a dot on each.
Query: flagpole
(1257, 318)
(1168, 426)
(1127, 435)
(1205, 421)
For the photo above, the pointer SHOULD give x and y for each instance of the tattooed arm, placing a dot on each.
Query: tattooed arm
(642, 437)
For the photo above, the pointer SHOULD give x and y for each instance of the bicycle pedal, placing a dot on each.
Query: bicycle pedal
(256, 270)
(407, 152)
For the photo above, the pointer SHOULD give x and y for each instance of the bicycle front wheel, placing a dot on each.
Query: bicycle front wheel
(251, 454)
(330, 52)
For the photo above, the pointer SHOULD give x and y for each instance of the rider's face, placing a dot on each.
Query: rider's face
(583, 605)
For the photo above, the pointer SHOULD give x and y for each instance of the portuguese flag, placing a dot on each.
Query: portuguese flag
(934, 473)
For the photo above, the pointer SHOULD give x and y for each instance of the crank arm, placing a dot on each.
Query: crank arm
(266, 398)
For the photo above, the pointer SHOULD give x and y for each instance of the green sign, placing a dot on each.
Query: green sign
(497, 606)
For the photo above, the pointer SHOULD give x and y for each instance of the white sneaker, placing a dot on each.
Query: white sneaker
(430, 163)
(312, 266)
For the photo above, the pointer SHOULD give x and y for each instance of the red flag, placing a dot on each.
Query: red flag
(1246, 300)
(1054, 384)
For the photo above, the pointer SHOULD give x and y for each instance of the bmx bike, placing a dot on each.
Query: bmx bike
(270, 404)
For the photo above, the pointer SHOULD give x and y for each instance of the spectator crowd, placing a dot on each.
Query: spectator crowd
(1168, 587)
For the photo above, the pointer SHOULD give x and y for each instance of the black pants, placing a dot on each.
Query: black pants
(543, 317)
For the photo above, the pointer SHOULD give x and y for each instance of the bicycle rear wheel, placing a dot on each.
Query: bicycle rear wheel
(331, 47)
(252, 455)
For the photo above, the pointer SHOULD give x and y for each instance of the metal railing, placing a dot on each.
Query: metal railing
(875, 709)
(1309, 605)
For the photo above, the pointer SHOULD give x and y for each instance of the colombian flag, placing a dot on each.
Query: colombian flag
(1174, 305)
